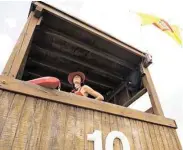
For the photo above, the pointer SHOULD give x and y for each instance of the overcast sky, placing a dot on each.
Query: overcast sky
(117, 18)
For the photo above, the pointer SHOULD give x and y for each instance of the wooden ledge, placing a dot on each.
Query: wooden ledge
(17, 86)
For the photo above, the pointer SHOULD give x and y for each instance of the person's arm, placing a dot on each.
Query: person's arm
(94, 93)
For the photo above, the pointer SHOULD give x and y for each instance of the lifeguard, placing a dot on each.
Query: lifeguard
(77, 80)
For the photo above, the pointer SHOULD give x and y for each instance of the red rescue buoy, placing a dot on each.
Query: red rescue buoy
(48, 82)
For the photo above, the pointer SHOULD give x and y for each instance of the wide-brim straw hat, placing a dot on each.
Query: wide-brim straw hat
(73, 74)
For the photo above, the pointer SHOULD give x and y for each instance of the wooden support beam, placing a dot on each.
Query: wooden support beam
(69, 57)
(148, 84)
(122, 97)
(17, 47)
(135, 97)
(150, 110)
(116, 91)
(20, 52)
(99, 83)
(25, 88)
(91, 29)
(88, 48)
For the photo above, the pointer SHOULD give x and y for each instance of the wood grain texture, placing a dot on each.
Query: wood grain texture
(70, 128)
(159, 138)
(72, 99)
(34, 139)
(58, 127)
(5, 103)
(172, 138)
(135, 134)
(79, 130)
(24, 127)
(1, 91)
(97, 120)
(125, 127)
(89, 128)
(153, 137)
(105, 127)
(168, 138)
(6, 100)
(46, 132)
(114, 127)
(177, 139)
(163, 137)
(30, 123)
(147, 136)
(11, 124)
(141, 135)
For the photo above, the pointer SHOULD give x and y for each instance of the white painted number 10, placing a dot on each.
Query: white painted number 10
(97, 138)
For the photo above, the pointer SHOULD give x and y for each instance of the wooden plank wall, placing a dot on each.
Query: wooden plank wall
(31, 123)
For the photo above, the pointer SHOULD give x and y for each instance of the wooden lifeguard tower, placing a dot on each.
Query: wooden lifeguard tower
(54, 43)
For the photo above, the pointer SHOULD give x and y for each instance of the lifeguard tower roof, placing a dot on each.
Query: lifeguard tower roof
(62, 44)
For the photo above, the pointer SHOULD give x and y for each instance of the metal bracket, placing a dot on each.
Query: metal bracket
(38, 12)
(148, 60)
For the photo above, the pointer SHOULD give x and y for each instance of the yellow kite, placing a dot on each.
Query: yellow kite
(171, 30)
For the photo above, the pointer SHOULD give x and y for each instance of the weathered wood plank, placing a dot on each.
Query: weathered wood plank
(177, 139)
(168, 138)
(79, 130)
(6, 100)
(46, 126)
(125, 127)
(105, 127)
(150, 110)
(163, 137)
(141, 135)
(114, 127)
(153, 137)
(10, 127)
(23, 51)
(17, 47)
(135, 134)
(25, 124)
(158, 136)
(70, 128)
(33, 125)
(147, 136)
(58, 127)
(89, 114)
(149, 85)
(1, 91)
(175, 146)
(97, 120)
(40, 113)
(67, 98)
